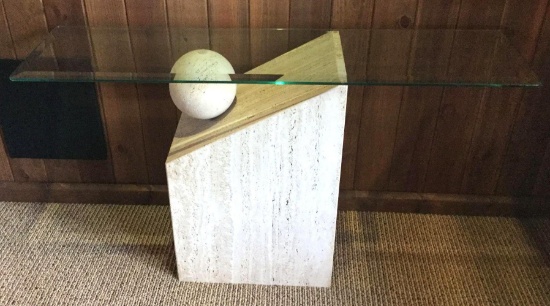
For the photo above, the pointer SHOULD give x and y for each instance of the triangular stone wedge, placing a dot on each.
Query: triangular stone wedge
(254, 194)
(321, 58)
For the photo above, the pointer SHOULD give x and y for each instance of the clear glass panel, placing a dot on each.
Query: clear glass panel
(372, 57)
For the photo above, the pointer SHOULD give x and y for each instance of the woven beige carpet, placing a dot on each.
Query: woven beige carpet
(62, 254)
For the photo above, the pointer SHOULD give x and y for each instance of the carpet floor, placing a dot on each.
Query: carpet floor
(63, 254)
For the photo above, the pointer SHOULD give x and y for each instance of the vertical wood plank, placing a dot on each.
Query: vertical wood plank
(310, 14)
(417, 121)
(266, 45)
(6, 44)
(146, 13)
(437, 14)
(228, 13)
(542, 186)
(234, 46)
(381, 104)
(158, 113)
(269, 14)
(64, 12)
(476, 14)
(28, 170)
(377, 137)
(451, 153)
(489, 141)
(62, 171)
(356, 68)
(420, 105)
(27, 24)
(6, 52)
(453, 134)
(5, 168)
(189, 13)
(521, 22)
(394, 14)
(353, 14)
(525, 151)
(120, 101)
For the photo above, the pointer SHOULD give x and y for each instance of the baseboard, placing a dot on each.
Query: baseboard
(450, 204)
(84, 193)
(349, 200)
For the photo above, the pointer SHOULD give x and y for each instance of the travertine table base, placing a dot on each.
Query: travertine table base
(254, 193)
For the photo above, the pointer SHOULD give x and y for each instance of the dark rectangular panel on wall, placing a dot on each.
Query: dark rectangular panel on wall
(50, 120)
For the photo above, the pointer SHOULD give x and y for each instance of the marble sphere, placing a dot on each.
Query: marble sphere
(202, 100)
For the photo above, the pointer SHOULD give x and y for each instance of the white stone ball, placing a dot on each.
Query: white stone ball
(202, 100)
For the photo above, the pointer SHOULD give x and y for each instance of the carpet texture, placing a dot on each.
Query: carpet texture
(69, 254)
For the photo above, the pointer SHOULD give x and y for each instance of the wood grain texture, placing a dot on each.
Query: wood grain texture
(5, 168)
(310, 14)
(394, 14)
(6, 52)
(104, 13)
(451, 143)
(64, 12)
(437, 14)
(228, 13)
(119, 101)
(476, 14)
(353, 14)
(542, 186)
(269, 14)
(84, 193)
(6, 44)
(527, 144)
(491, 135)
(157, 112)
(357, 49)
(377, 137)
(531, 126)
(234, 46)
(415, 131)
(62, 171)
(28, 170)
(27, 24)
(124, 130)
(445, 204)
(144, 13)
(159, 119)
(521, 22)
(189, 13)
(96, 171)
(380, 113)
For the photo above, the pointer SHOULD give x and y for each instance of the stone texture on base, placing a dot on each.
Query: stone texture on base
(259, 205)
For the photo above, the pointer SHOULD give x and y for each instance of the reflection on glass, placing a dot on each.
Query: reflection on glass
(373, 57)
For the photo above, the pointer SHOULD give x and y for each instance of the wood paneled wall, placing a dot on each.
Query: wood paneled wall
(398, 139)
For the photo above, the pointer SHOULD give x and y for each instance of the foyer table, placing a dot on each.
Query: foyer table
(253, 192)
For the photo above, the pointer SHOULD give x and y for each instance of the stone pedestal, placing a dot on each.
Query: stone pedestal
(254, 194)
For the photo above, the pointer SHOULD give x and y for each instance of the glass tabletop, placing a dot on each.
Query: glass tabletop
(372, 57)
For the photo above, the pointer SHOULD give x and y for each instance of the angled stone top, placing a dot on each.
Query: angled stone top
(322, 55)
